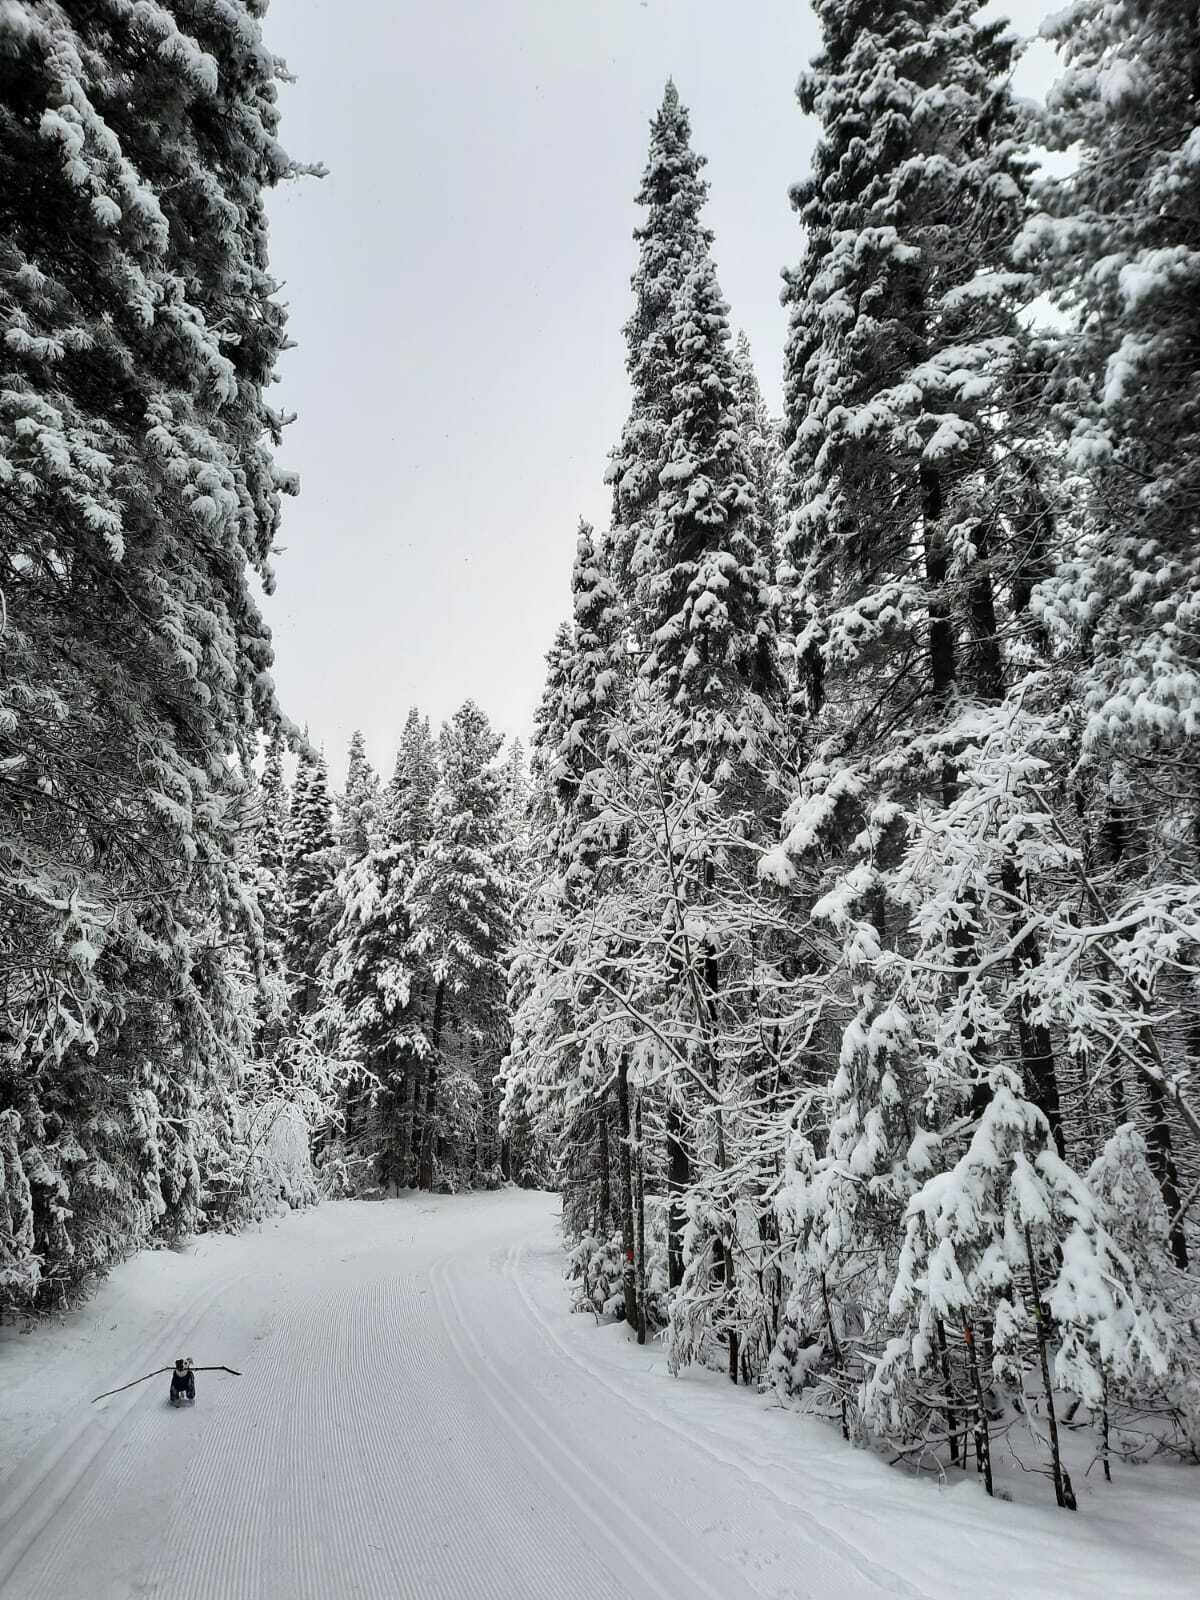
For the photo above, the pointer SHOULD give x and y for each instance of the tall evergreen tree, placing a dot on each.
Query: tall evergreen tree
(1120, 242)
(408, 800)
(358, 804)
(904, 317)
(686, 524)
(1118, 246)
(669, 240)
(370, 982)
(312, 862)
(269, 857)
(760, 438)
(904, 328)
(459, 904)
(139, 495)
(271, 851)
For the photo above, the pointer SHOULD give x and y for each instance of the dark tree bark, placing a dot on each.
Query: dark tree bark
(1063, 1491)
(983, 1443)
(1162, 1162)
(1037, 1050)
(604, 1203)
(948, 1390)
(640, 1169)
(425, 1171)
(678, 1178)
(407, 1139)
(628, 1270)
(943, 663)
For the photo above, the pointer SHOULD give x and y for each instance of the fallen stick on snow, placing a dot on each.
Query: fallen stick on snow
(157, 1373)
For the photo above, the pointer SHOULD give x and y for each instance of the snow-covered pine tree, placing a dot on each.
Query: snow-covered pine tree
(370, 983)
(407, 802)
(569, 1088)
(691, 547)
(514, 778)
(312, 863)
(258, 1157)
(1118, 244)
(358, 804)
(405, 824)
(596, 690)
(760, 438)
(139, 491)
(530, 1132)
(345, 970)
(669, 240)
(460, 912)
(904, 321)
(271, 842)
(1120, 241)
(270, 882)
(686, 524)
(907, 551)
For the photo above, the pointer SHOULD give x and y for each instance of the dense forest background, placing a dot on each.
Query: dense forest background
(837, 955)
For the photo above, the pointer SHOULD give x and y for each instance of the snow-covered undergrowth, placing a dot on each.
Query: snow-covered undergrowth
(278, 1170)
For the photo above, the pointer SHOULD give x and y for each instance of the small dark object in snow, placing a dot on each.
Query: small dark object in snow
(183, 1382)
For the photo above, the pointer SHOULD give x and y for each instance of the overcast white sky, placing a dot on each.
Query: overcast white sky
(457, 287)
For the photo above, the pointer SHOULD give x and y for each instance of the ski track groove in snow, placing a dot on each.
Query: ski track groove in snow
(824, 1539)
(545, 1564)
(578, 1480)
(53, 1474)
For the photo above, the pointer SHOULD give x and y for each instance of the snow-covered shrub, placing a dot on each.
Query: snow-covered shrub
(594, 1268)
(270, 1167)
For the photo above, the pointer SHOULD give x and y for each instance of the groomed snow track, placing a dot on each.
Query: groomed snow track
(418, 1417)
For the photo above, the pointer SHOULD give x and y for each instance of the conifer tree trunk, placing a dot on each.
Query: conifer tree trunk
(981, 605)
(948, 1389)
(425, 1171)
(414, 1100)
(942, 664)
(983, 1444)
(1162, 1161)
(1063, 1491)
(640, 1167)
(628, 1276)
(835, 1349)
(604, 1202)
(708, 1013)
(725, 1257)
(1037, 1050)
(678, 1178)
(479, 1152)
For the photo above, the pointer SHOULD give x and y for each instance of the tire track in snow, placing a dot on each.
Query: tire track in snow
(884, 1578)
(579, 1478)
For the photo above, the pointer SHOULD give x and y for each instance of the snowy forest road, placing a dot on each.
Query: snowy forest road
(418, 1416)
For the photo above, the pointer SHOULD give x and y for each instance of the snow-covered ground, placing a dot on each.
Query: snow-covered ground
(420, 1417)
